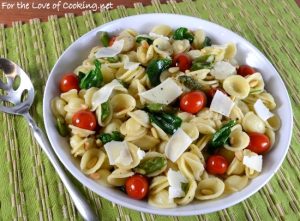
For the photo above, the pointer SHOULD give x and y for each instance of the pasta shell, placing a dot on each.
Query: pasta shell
(236, 114)
(273, 123)
(230, 51)
(236, 86)
(128, 36)
(119, 176)
(204, 126)
(161, 200)
(77, 145)
(108, 71)
(158, 183)
(74, 105)
(185, 116)
(68, 95)
(88, 96)
(114, 125)
(57, 107)
(80, 132)
(145, 53)
(236, 167)
(165, 75)
(199, 37)
(146, 142)
(239, 140)
(161, 134)
(135, 158)
(252, 123)
(196, 150)
(210, 188)
(206, 113)
(163, 47)
(92, 160)
(164, 30)
(235, 183)
(190, 166)
(122, 104)
(128, 75)
(271, 135)
(135, 88)
(256, 83)
(203, 141)
(134, 128)
(191, 130)
(189, 196)
(181, 46)
(194, 53)
(217, 50)
(141, 117)
(102, 175)
(242, 106)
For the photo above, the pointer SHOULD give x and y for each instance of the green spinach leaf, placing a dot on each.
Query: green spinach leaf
(93, 79)
(206, 42)
(220, 137)
(115, 135)
(155, 68)
(141, 38)
(169, 123)
(183, 33)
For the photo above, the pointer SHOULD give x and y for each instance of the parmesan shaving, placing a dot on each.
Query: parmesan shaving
(111, 51)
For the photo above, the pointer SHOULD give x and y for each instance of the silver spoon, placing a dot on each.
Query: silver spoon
(19, 105)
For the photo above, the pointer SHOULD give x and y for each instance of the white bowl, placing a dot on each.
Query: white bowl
(247, 54)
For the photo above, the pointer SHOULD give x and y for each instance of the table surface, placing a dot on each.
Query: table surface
(30, 188)
(13, 10)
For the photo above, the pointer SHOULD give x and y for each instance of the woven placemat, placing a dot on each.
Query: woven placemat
(30, 188)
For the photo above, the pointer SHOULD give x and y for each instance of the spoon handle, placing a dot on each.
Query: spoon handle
(78, 199)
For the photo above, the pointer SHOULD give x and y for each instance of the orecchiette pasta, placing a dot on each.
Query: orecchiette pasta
(57, 107)
(162, 47)
(144, 108)
(252, 123)
(235, 183)
(236, 86)
(92, 160)
(119, 176)
(209, 188)
(190, 166)
(164, 30)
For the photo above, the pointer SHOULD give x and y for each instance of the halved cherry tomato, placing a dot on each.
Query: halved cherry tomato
(192, 102)
(85, 119)
(245, 70)
(259, 143)
(68, 82)
(112, 40)
(216, 164)
(137, 186)
(183, 61)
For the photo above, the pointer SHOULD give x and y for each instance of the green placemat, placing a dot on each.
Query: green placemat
(30, 188)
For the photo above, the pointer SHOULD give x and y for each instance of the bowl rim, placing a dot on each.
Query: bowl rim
(158, 211)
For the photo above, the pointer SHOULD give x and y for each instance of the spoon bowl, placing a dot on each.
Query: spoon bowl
(16, 98)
